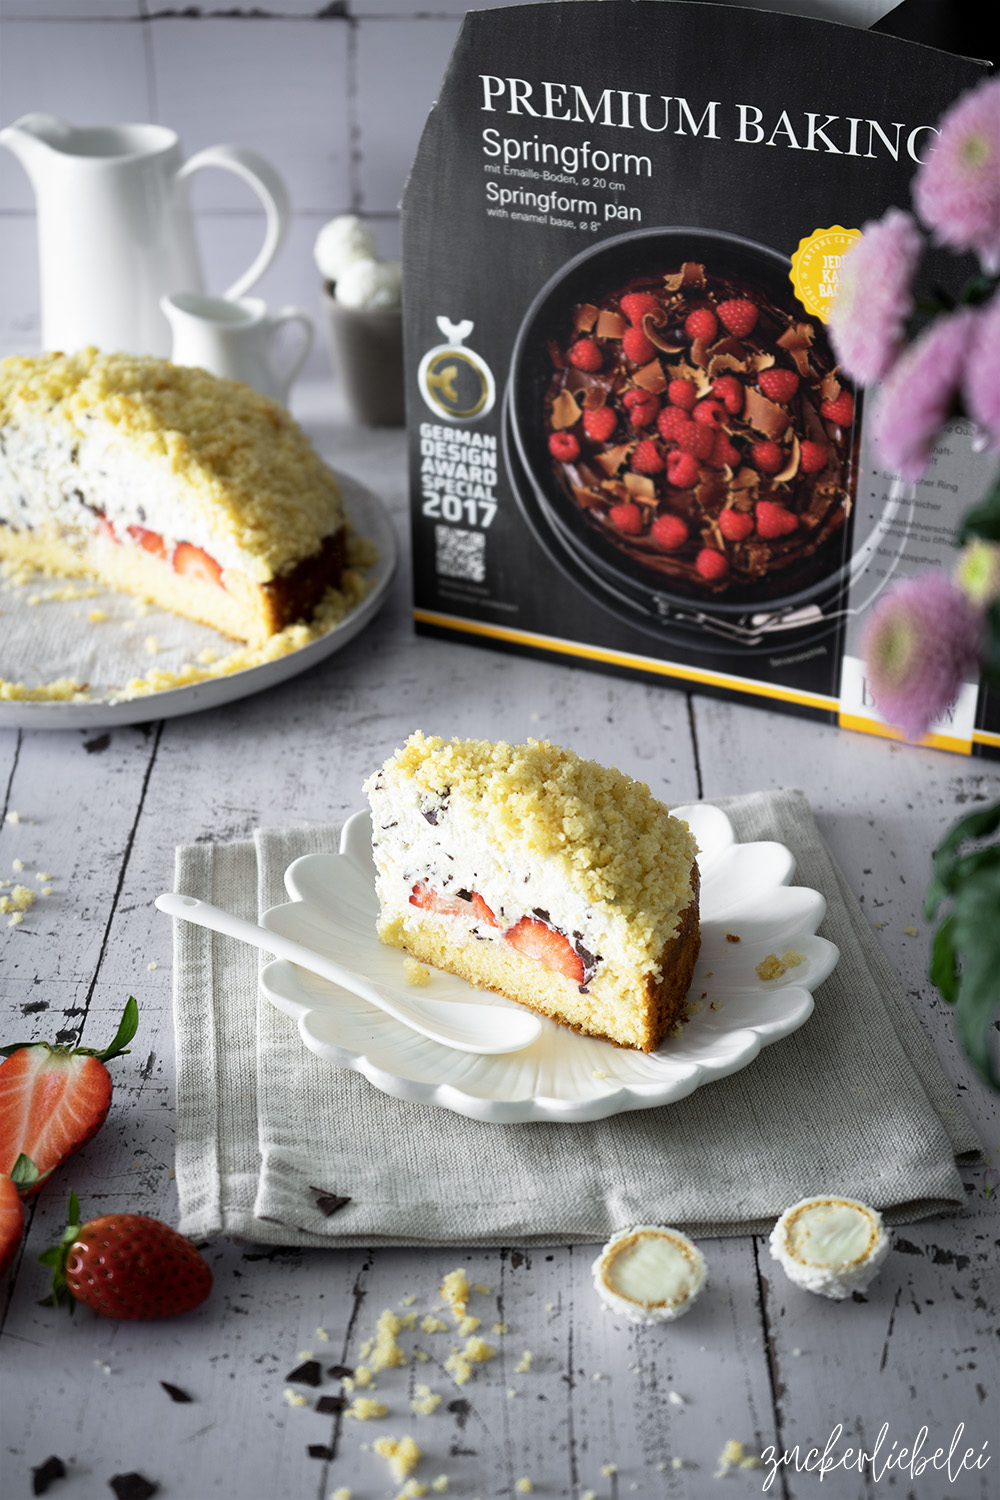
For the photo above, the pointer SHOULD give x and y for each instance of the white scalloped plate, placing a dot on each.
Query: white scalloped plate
(562, 1076)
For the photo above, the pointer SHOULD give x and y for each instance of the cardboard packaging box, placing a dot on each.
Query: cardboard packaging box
(630, 444)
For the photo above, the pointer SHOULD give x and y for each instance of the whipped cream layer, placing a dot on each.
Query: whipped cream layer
(832, 1246)
(52, 475)
(650, 1274)
(417, 837)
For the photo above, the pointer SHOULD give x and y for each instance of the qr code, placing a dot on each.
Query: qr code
(460, 554)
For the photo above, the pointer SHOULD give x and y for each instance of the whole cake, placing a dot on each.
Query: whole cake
(703, 431)
(560, 883)
(167, 482)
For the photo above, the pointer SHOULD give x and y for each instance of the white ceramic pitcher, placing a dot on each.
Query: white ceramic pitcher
(236, 339)
(115, 230)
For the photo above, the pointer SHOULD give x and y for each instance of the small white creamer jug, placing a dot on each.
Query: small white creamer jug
(115, 231)
(236, 339)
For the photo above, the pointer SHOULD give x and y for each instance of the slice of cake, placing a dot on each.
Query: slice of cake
(162, 480)
(550, 879)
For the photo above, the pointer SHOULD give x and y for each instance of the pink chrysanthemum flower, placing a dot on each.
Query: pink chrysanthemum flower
(875, 296)
(921, 392)
(982, 372)
(920, 645)
(957, 189)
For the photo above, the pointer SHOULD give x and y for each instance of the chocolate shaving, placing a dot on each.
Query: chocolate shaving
(610, 325)
(328, 1405)
(308, 1373)
(830, 387)
(328, 1203)
(586, 317)
(174, 1391)
(640, 487)
(565, 412)
(320, 1450)
(616, 488)
(764, 415)
(594, 397)
(339, 1372)
(746, 479)
(792, 466)
(651, 377)
(133, 1486)
(699, 353)
(586, 498)
(762, 360)
(723, 362)
(651, 329)
(43, 1475)
(690, 274)
(613, 458)
(555, 354)
(797, 341)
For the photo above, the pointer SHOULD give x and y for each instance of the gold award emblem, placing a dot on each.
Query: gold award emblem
(455, 382)
(815, 272)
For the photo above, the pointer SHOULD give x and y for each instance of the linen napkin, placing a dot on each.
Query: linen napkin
(855, 1102)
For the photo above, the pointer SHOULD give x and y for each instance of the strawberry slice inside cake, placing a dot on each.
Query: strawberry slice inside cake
(550, 879)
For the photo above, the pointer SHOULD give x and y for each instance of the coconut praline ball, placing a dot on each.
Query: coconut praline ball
(830, 1245)
(650, 1274)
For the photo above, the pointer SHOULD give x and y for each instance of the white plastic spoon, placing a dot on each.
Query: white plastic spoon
(467, 1028)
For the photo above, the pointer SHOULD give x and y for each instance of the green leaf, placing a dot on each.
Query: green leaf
(943, 971)
(975, 825)
(984, 520)
(127, 1028)
(23, 1173)
(73, 1211)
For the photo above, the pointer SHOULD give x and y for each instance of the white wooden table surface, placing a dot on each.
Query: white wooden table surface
(757, 1361)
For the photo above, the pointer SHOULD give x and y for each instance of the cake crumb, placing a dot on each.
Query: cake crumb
(16, 919)
(511, 1392)
(770, 967)
(501, 1328)
(459, 1362)
(676, 1399)
(419, 1354)
(425, 1401)
(385, 1351)
(401, 1454)
(482, 1289)
(294, 1398)
(468, 1325)
(415, 973)
(735, 1456)
(732, 938)
(430, 1324)
(524, 1363)
(440, 1484)
(524, 1485)
(588, 1495)
(455, 1290)
(152, 964)
(413, 1489)
(151, 645)
(322, 1335)
(17, 865)
(677, 1463)
(910, 931)
(13, 817)
(97, 616)
(365, 1409)
(609, 1469)
(409, 1300)
(343, 1493)
(598, 1073)
(21, 899)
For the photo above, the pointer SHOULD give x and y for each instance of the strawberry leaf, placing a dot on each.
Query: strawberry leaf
(24, 1173)
(127, 1028)
(56, 1257)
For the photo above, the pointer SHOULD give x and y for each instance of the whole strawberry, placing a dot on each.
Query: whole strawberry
(54, 1099)
(126, 1266)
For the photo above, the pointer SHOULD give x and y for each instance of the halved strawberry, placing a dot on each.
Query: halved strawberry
(428, 899)
(194, 562)
(547, 947)
(23, 1175)
(482, 912)
(54, 1099)
(149, 541)
(104, 528)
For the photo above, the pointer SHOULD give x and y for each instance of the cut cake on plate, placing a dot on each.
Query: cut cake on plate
(560, 883)
(167, 482)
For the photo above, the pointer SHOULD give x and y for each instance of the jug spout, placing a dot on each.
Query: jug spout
(32, 137)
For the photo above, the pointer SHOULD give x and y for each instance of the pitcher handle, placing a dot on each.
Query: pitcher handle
(277, 320)
(271, 191)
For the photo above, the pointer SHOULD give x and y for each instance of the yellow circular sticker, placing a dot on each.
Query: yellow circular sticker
(815, 272)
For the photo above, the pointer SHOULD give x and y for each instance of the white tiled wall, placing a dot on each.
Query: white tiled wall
(334, 94)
